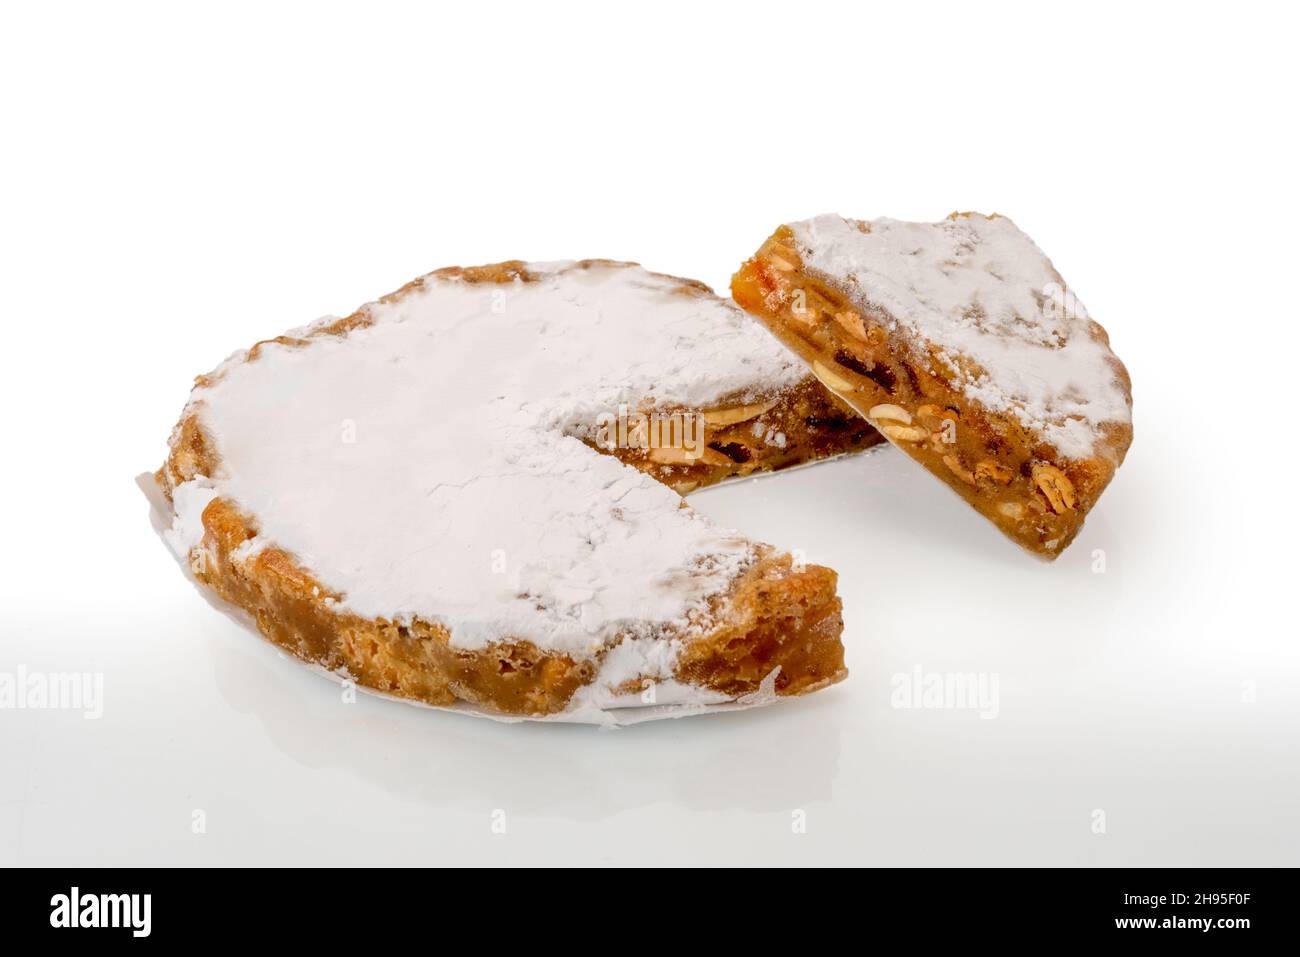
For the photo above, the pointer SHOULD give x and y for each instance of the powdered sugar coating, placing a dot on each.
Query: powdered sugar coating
(426, 464)
(1010, 333)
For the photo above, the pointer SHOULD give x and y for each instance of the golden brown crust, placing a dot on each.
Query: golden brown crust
(1010, 475)
(775, 616)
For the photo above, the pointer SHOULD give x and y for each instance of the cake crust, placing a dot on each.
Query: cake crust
(774, 616)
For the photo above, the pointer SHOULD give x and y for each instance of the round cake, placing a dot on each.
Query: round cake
(470, 491)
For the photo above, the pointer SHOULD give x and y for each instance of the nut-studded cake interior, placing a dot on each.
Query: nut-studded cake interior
(962, 344)
(413, 493)
(741, 437)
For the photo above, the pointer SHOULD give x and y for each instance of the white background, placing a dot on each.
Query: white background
(179, 183)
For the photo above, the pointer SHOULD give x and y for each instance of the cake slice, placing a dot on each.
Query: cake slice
(469, 491)
(964, 346)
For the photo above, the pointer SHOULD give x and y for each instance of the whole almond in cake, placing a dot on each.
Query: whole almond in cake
(470, 491)
(964, 346)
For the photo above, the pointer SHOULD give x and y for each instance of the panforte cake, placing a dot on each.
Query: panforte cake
(470, 491)
(964, 346)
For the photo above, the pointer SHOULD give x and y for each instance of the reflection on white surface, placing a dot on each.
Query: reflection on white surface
(576, 772)
(1122, 693)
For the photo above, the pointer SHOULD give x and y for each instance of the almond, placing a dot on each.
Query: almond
(1055, 486)
(892, 413)
(737, 413)
(852, 324)
(671, 456)
(903, 433)
(990, 471)
(831, 379)
(957, 469)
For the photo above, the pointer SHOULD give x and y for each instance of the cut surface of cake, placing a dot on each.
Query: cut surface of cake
(962, 343)
(468, 492)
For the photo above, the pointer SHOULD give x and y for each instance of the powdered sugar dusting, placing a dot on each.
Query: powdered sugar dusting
(1011, 335)
(188, 502)
(427, 465)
